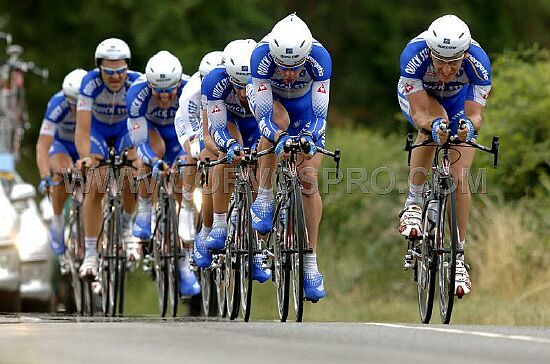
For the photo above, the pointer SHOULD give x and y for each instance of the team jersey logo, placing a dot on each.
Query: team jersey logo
(135, 126)
(216, 109)
(262, 87)
(408, 87)
(322, 89)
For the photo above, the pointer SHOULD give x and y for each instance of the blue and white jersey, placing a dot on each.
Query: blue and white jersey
(418, 73)
(188, 120)
(59, 121)
(223, 104)
(310, 90)
(141, 105)
(107, 107)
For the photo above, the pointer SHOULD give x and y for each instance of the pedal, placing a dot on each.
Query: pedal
(311, 300)
(459, 292)
(193, 266)
(96, 287)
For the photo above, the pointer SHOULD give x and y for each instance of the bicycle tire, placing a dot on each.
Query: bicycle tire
(299, 245)
(281, 268)
(218, 287)
(104, 269)
(114, 261)
(172, 240)
(447, 256)
(425, 269)
(161, 276)
(232, 288)
(248, 246)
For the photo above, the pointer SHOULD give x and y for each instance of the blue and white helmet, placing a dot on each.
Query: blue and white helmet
(236, 58)
(163, 70)
(448, 37)
(210, 61)
(71, 83)
(290, 42)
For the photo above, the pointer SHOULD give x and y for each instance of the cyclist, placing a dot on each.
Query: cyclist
(190, 125)
(232, 126)
(56, 152)
(101, 120)
(152, 102)
(289, 94)
(445, 79)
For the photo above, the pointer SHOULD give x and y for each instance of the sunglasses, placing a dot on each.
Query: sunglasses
(112, 71)
(162, 90)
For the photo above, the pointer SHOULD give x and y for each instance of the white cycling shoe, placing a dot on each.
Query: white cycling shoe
(410, 225)
(463, 285)
(89, 266)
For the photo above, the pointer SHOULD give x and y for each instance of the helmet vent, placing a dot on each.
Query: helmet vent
(461, 35)
(301, 45)
(275, 40)
(434, 33)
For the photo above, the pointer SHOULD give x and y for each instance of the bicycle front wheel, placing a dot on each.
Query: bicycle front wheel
(160, 266)
(232, 269)
(425, 270)
(447, 241)
(114, 269)
(299, 244)
(281, 266)
(172, 242)
(247, 237)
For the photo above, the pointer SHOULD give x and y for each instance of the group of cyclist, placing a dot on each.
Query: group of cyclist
(251, 95)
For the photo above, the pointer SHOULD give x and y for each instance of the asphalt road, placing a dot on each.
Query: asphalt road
(60, 339)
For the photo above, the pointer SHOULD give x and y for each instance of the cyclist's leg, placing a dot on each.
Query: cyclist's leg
(60, 160)
(223, 177)
(201, 255)
(92, 216)
(142, 224)
(421, 161)
(263, 207)
(122, 143)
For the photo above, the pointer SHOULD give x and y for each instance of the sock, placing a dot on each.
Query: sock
(265, 195)
(58, 221)
(91, 246)
(415, 195)
(219, 219)
(310, 264)
(460, 246)
(205, 230)
(144, 203)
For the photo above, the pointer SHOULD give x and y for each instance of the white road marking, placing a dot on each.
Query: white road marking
(463, 332)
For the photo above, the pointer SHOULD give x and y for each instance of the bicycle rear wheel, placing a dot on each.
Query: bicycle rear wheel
(172, 243)
(425, 270)
(447, 242)
(248, 246)
(299, 244)
(281, 266)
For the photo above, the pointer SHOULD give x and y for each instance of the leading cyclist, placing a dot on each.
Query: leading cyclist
(445, 79)
(100, 121)
(56, 151)
(289, 93)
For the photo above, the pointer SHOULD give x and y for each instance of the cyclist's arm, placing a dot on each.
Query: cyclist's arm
(217, 122)
(474, 112)
(420, 110)
(42, 160)
(82, 132)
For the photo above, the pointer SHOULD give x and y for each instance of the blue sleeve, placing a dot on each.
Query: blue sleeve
(478, 66)
(91, 84)
(319, 63)
(57, 108)
(259, 91)
(137, 99)
(415, 59)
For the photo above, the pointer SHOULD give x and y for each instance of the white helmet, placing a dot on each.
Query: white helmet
(290, 42)
(210, 61)
(236, 57)
(112, 49)
(448, 37)
(163, 70)
(71, 83)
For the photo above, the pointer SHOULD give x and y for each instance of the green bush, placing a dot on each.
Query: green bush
(519, 112)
